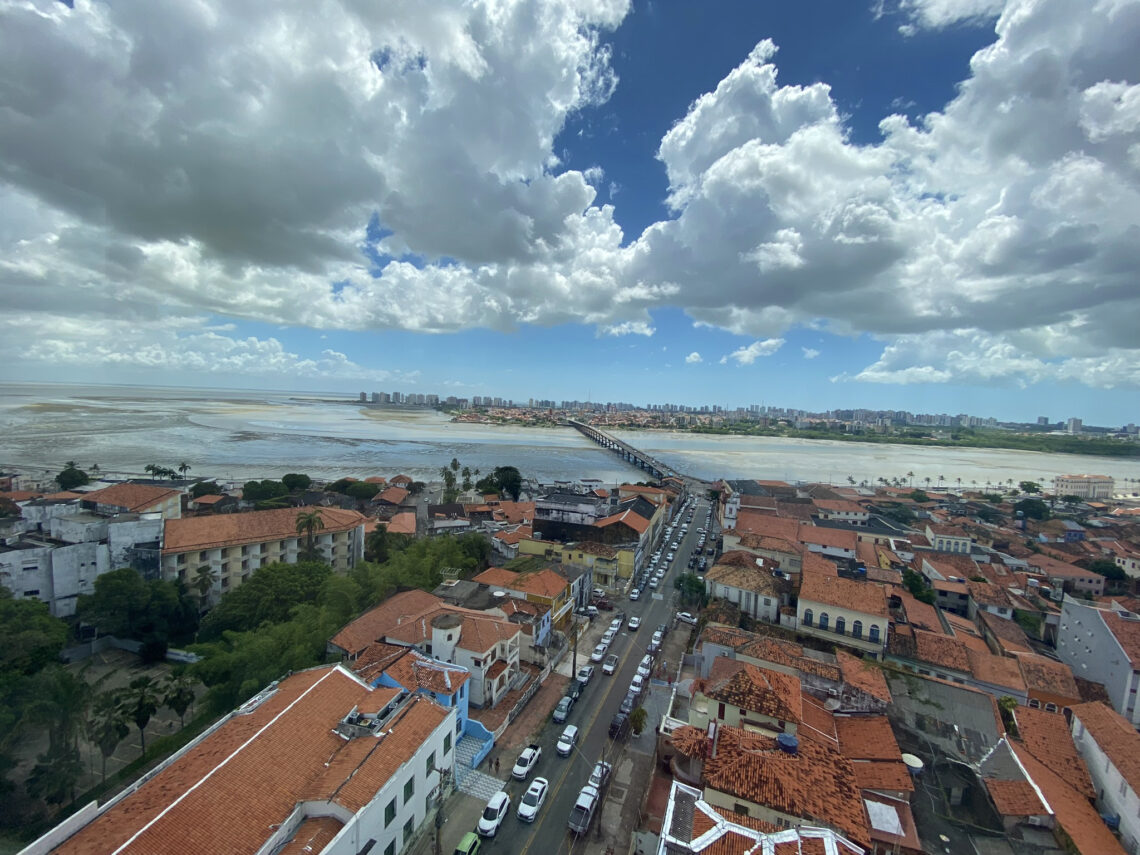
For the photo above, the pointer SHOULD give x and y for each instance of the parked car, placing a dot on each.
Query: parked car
(591, 612)
(532, 799)
(583, 811)
(600, 775)
(654, 643)
(574, 690)
(468, 844)
(635, 594)
(619, 726)
(562, 711)
(599, 653)
(604, 605)
(526, 762)
(493, 814)
(609, 637)
(634, 622)
(645, 667)
(567, 741)
(585, 673)
(662, 630)
(686, 617)
(610, 665)
(627, 704)
(637, 685)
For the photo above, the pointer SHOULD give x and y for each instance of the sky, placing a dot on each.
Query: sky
(923, 205)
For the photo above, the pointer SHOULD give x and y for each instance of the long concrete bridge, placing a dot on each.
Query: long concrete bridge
(626, 451)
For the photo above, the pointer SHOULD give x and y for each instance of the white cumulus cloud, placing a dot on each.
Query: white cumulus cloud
(810, 353)
(749, 354)
(693, 357)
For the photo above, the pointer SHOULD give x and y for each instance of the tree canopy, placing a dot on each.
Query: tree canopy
(128, 606)
(504, 480)
(295, 481)
(257, 491)
(71, 477)
(1029, 486)
(269, 595)
(1034, 509)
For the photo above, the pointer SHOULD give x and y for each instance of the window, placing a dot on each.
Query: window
(1050, 707)
(807, 617)
(409, 829)
(824, 620)
(430, 764)
(390, 849)
(874, 633)
(34, 592)
(720, 713)
(740, 809)
(446, 743)
(841, 625)
(389, 813)
(857, 629)
(1034, 703)
(409, 789)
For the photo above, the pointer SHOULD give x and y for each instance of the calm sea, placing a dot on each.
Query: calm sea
(238, 435)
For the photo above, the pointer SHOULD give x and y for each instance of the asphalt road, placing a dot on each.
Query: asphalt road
(549, 835)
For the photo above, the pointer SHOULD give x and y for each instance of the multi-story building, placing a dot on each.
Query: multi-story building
(233, 546)
(320, 762)
(1110, 747)
(742, 579)
(1101, 642)
(134, 499)
(949, 538)
(544, 587)
(1084, 486)
(843, 611)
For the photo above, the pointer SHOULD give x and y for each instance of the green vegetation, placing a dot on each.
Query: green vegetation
(961, 438)
(918, 496)
(153, 611)
(257, 491)
(692, 588)
(284, 623)
(205, 488)
(1109, 570)
(1028, 621)
(1034, 509)
(504, 480)
(637, 720)
(915, 583)
(363, 491)
(71, 476)
(294, 481)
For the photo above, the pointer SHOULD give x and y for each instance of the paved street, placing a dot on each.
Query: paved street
(632, 760)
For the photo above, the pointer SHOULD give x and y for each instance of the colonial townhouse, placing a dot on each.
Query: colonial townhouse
(487, 647)
(544, 587)
(843, 611)
(748, 582)
(233, 546)
(842, 510)
(742, 695)
(134, 499)
(949, 538)
(319, 763)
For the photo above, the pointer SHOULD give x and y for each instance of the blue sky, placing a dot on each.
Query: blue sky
(926, 205)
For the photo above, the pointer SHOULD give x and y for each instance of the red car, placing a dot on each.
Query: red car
(604, 604)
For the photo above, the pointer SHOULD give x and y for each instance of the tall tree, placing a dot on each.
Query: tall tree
(178, 693)
(184, 467)
(308, 524)
(55, 774)
(59, 699)
(71, 476)
(204, 578)
(140, 701)
(107, 725)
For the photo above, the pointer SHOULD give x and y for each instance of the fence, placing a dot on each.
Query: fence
(105, 642)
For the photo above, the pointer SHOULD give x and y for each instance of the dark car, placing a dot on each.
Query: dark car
(627, 705)
(619, 726)
(663, 629)
(574, 690)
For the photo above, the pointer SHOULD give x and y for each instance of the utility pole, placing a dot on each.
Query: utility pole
(444, 775)
(573, 648)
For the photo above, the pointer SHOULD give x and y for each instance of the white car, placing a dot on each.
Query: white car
(615, 624)
(654, 582)
(599, 653)
(493, 814)
(567, 741)
(526, 762)
(637, 685)
(645, 667)
(685, 617)
(608, 638)
(585, 673)
(635, 594)
(532, 799)
(634, 622)
(611, 664)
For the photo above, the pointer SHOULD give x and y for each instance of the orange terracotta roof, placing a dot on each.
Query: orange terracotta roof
(996, 670)
(882, 775)
(1015, 798)
(1046, 736)
(312, 835)
(1116, 738)
(375, 479)
(836, 538)
(919, 614)
(815, 783)
(630, 518)
(789, 654)
(1011, 637)
(401, 479)
(403, 523)
(766, 524)
(870, 598)
(1045, 675)
(987, 594)
(21, 495)
(863, 675)
(748, 578)
(759, 690)
(135, 498)
(416, 671)
(1127, 633)
(817, 722)
(940, 650)
(839, 506)
(212, 532)
(478, 631)
(286, 745)
(208, 499)
(374, 623)
(393, 496)
(867, 737)
(1074, 814)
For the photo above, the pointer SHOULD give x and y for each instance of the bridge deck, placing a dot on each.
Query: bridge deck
(625, 450)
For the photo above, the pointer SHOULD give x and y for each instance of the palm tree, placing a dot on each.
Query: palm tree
(927, 480)
(59, 699)
(178, 694)
(184, 467)
(94, 468)
(151, 469)
(850, 480)
(910, 475)
(139, 702)
(941, 478)
(204, 583)
(309, 523)
(107, 725)
(959, 483)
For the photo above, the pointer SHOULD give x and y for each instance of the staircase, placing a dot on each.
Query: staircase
(471, 781)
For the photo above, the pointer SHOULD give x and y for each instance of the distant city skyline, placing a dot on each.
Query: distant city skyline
(860, 203)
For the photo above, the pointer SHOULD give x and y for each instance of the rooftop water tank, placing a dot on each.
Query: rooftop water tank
(913, 764)
(788, 743)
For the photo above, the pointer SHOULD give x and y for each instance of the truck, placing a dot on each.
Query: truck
(526, 762)
(583, 811)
